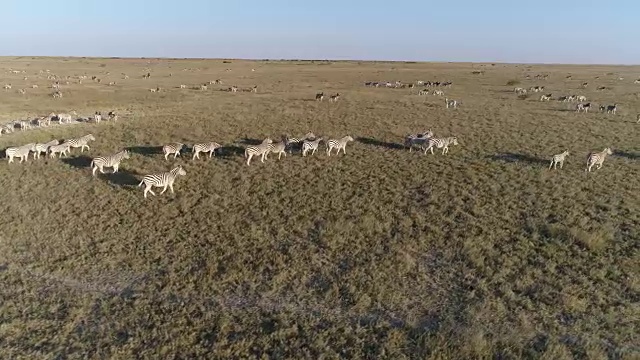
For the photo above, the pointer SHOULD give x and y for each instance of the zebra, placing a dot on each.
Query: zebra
(203, 87)
(254, 88)
(611, 109)
(62, 118)
(597, 158)
(583, 107)
(414, 140)
(334, 98)
(258, 150)
(277, 148)
(310, 145)
(319, 96)
(585, 84)
(25, 125)
(581, 98)
(520, 90)
(81, 142)
(545, 97)
(112, 161)
(43, 148)
(338, 144)
(440, 144)
(290, 141)
(423, 92)
(22, 91)
(173, 148)
(97, 117)
(233, 89)
(183, 86)
(56, 94)
(20, 151)
(163, 180)
(61, 149)
(204, 147)
(438, 92)
(638, 119)
(558, 159)
(112, 116)
(451, 103)
(7, 86)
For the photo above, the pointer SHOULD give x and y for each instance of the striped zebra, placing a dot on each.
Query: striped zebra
(258, 150)
(20, 151)
(319, 96)
(297, 140)
(43, 148)
(112, 161)
(277, 148)
(440, 144)
(339, 144)
(417, 140)
(611, 109)
(66, 118)
(597, 158)
(61, 149)
(97, 117)
(451, 103)
(80, 142)
(334, 98)
(204, 147)
(163, 180)
(310, 145)
(558, 159)
(583, 107)
(112, 116)
(173, 148)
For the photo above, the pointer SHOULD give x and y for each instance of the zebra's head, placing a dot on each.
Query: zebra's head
(348, 138)
(565, 153)
(181, 171)
(267, 141)
(608, 151)
(91, 137)
(454, 141)
(126, 154)
(310, 135)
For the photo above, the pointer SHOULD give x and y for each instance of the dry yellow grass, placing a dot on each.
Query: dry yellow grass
(382, 253)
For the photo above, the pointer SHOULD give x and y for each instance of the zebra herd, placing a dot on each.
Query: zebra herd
(309, 143)
(60, 118)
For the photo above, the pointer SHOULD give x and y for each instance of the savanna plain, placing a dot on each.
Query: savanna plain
(381, 253)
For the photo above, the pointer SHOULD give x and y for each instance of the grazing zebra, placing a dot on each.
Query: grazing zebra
(57, 95)
(602, 108)
(25, 125)
(112, 116)
(440, 144)
(61, 149)
(581, 98)
(34, 86)
(97, 117)
(290, 141)
(558, 159)
(583, 107)
(414, 140)
(204, 147)
(112, 161)
(258, 150)
(597, 158)
(203, 87)
(7, 86)
(611, 109)
(520, 90)
(153, 90)
(338, 144)
(277, 148)
(254, 88)
(334, 98)
(22, 91)
(43, 148)
(233, 89)
(173, 148)
(438, 92)
(80, 142)
(163, 180)
(545, 97)
(20, 151)
(319, 96)
(451, 103)
(66, 118)
(585, 84)
(310, 145)
(423, 92)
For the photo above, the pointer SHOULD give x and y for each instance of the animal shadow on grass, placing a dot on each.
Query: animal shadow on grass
(122, 178)
(513, 157)
(379, 143)
(78, 162)
(145, 150)
(627, 154)
(250, 141)
(229, 151)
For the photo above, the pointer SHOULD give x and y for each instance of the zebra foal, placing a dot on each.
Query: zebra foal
(558, 159)
(164, 180)
(440, 144)
(258, 150)
(338, 144)
(173, 148)
(204, 147)
(43, 148)
(61, 149)
(112, 161)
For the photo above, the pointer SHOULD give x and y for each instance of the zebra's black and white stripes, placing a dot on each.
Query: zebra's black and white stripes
(258, 150)
(43, 148)
(205, 147)
(417, 140)
(112, 161)
(440, 144)
(163, 180)
(558, 159)
(310, 145)
(81, 142)
(277, 148)
(338, 144)
(173, 148)
(21, 152)
(597, 158)
(289, 142)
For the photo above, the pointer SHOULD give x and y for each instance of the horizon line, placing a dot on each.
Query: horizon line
(318, 60)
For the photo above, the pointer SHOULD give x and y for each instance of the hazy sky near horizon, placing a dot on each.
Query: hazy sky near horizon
(565, 31)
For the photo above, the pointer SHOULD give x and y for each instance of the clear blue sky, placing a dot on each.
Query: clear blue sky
(564, 31)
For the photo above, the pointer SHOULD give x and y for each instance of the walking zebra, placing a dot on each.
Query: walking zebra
(97, 117)
(66, 118)
(43, 148)
(290, 141)
(61, 149)
(558, 159)
(597, 158)
(334, 98)
(277, 148)
(258, 150)
(419, 140)
(440, 144)
(20, 151)
(310, 145)
(583, 107)
(173, 148)
(112, 161)
(112, 116)
(338, 144)
(319, 96)
(611, 109)
(451, 103)
(204, 147)
(163, 180)
(81, 142)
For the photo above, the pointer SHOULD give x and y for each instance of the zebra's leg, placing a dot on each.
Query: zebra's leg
(431, 150)
(115, 168)
(175, 155)
(164, 189)
(263, 157)
(166, 156)
(344, 150)
(561, 164)
(551, 164)
(93, 171)
(249, 158)
(211, 153)
(171, 188)
(195, 155)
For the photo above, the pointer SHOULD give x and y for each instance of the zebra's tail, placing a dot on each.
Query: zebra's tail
(245, 153)
(92, 163)
(141, 182)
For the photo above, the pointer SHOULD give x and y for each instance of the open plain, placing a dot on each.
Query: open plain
(381, 253)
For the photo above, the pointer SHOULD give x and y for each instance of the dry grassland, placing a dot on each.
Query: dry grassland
(379, 254)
